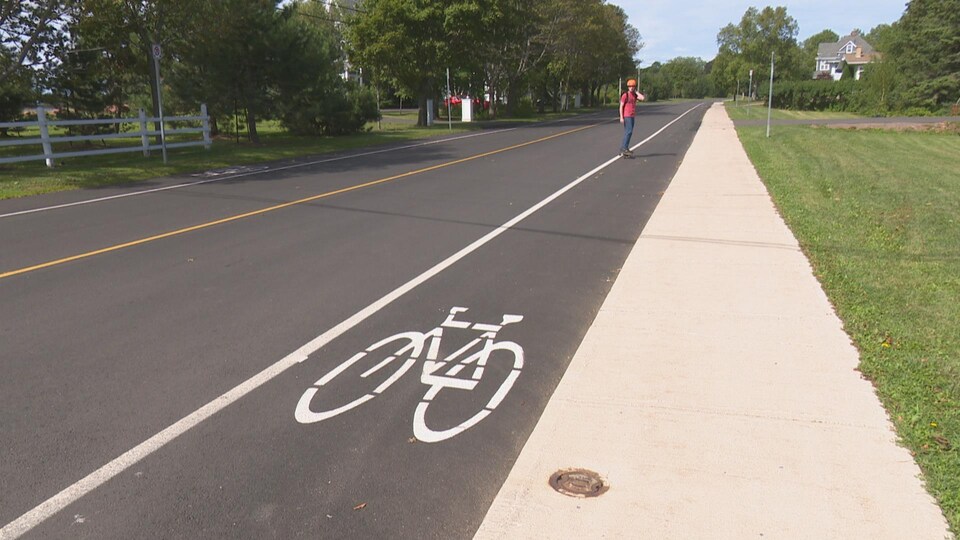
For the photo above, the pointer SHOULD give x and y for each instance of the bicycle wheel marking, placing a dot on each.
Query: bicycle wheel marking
(393, 378)
(448, 373)
(377, 367)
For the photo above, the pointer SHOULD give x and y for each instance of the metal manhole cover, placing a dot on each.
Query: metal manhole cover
(579, 483)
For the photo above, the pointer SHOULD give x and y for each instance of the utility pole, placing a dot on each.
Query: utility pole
(157, 53)
(770, 97)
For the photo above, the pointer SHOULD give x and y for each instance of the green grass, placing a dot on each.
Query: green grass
(878, 214)
(756, 110)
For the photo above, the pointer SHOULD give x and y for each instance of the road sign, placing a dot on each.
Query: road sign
(157, 51)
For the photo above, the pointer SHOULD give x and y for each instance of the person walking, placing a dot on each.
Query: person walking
(628, 104)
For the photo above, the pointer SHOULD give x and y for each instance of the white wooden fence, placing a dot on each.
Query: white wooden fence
(143, 133)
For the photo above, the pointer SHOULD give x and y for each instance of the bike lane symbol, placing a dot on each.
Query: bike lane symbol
(461, 370)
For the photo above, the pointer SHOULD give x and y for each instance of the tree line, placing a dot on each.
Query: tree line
(251, 60)
(919, 67)
(263, 59)
(509, 50)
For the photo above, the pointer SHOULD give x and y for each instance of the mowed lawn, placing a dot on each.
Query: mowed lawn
(878, 215)
(757, 110)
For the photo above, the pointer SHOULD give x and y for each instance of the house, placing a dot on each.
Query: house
(336, 10)
(851, 50)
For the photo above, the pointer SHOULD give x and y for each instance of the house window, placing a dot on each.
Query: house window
(849, 48)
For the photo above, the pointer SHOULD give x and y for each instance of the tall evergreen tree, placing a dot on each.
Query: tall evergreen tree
(926, 49)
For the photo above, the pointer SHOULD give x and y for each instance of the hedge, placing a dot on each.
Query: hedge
(815, 95)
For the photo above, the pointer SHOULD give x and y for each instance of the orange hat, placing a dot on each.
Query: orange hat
(631, 82)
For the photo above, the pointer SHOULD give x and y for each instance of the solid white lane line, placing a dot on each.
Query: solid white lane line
(95, 479)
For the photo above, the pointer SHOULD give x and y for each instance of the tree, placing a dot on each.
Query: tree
(313, 99)
(749, 45)
(926, 49)
(127, 29)
(28, 28)
(654, 83)
(408, 41)
(614, 45)
(686, 77)
(589, 43)
(242, 60)
(508, 46)
(880, 37)
(15, 91)
(92, 68)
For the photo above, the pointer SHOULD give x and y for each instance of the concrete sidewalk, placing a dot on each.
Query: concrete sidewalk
(716, 391)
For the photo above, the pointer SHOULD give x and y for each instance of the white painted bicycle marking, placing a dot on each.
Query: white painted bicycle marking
(432, 373)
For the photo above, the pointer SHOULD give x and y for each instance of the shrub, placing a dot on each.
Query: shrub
(524, 109)
(340, 110)
(814, 95)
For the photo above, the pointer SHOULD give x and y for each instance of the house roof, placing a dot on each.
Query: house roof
(838, 50)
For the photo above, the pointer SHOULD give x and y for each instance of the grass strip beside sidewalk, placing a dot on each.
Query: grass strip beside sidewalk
(878, 215)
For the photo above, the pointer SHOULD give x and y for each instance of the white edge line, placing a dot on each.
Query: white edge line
(97, 478)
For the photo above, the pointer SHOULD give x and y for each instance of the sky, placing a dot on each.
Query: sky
(672, 28)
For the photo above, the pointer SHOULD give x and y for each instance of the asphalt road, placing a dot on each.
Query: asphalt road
(154, 347)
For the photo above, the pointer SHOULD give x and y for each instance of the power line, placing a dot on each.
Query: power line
(319, 17)
(329, 4)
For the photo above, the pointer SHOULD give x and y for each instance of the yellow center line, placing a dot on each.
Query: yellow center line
(279, 206)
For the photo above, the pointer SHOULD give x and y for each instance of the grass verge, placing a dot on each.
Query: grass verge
(878, 215)
(756, 110)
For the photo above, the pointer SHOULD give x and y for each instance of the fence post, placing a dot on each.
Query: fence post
(206, 125)
(45, 135)
(144, 138)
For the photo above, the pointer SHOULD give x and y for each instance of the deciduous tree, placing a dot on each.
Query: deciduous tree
(408, 41)
(749, 44)
(28, 28)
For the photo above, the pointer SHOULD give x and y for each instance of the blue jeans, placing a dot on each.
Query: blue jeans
(627, 132)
